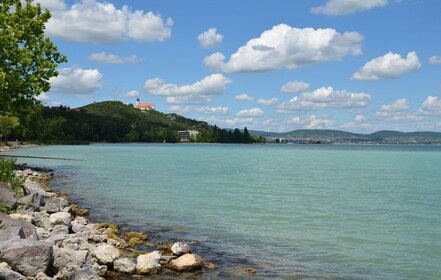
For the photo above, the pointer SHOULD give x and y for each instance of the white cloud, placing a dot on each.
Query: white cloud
(288, 47)
(210, 39)
(243, 97)
(42, 97)
(326, 97)
(77, 81)
(431, 106)
(255, 112)
(296, 120)
(344, 7)
(390, 66)
(294, 86)
(113, 59)
(179, 110)
(189, 99)
(131, 94)
(214, 84)
(359, 118)
(435, 60)
(268, 102)
(213, 110)
(53, 5)
(314, 122)
(235, 122)
(399, 110)
(102, 22)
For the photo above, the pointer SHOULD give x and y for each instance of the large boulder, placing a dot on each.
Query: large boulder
(148, 263)
(180, 248)
(86, 273)
(106, 254)
(7, 197)
(60, 218)
(188, 262)
(54, 204)
(9, 274)
(27, 256)
(124, 265)
(15, 229)
(73, 258)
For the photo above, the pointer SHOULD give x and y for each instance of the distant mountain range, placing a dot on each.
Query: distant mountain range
(338, 136)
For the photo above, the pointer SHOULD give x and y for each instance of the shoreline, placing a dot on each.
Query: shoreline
(163, 257)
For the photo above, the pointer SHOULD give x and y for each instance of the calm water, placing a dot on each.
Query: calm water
(291, 211)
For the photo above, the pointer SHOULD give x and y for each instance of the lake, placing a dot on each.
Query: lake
(290, 211)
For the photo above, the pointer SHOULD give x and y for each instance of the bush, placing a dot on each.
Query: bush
(7, 175)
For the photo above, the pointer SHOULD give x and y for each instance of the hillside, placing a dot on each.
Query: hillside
(338, 136)
(113, 121)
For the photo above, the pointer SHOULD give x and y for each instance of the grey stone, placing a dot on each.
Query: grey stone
(67, 257)
(54, 204)
(15, 229)
(76, 242)
(7, 197)
(42, 276)
(180, 248)
(187, 262)
(106, 254)
(26, 256)
(148, 263)
(60, 218)
(41, 219)
(84, 274)
(124, 265)
(9, 274)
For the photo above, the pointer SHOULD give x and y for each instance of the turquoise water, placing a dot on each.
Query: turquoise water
(291, 211)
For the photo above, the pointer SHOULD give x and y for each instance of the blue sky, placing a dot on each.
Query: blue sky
(276, 65)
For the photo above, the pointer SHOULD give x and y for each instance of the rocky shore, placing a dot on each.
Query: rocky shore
(43, 236)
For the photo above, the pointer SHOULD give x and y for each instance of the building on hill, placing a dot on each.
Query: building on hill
(187, 135)
(144, 106)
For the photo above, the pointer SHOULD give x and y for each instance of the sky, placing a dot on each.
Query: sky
(270, 65)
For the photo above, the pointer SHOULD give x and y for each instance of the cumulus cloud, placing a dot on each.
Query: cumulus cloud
(399, 110)
(200, 92)
(389, 66)
(435, 60)
(431, 106)
(53, 5)
(288, 47)
(234, 122)
(255, 112)
(344, 7)
(313, 122)
(268, 102)
(359, 118)
(113, 59)
(213, 110)
(326, 97)
(210, 39)
(101, 22)
(131, 94)
(294, 86)
(42, 97)
(77, 81)
(243, 97)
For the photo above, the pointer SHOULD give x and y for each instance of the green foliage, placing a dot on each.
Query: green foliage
(27, 58)
(7, 124)
(7, 175)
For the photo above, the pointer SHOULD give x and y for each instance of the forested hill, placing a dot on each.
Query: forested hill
(112, 121)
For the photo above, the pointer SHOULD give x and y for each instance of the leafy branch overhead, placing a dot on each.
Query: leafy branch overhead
(27, 58)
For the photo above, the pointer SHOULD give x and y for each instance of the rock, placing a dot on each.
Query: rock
(27, 199)
(70, 258)
(41, 219)
(54, 204)
(135, 238)
(148, 263)
(76, 242)
(27, 256)
(106, 254)
(60, 218)
(23, 217)
(58, 234)
(84, 274)
(11, 229)
(27, 172)
(42, 276)
(241, 272)
(188, 262)
(124, 265)
(7, 197)
(210, 266)
(180, 248)
(9, 274)
(38, 198)
(79, 224)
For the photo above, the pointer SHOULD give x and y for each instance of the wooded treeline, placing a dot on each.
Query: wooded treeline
(113, 121)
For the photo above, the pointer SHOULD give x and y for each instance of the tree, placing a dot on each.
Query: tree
(246, 136)
(27, 59)
(7, 124)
